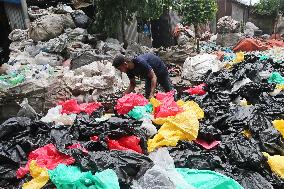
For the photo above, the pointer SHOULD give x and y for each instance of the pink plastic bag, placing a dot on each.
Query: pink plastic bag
(125, 143)
(197, 90)
(46, 157)
(128, 102)
(72, 107)
(206, 145)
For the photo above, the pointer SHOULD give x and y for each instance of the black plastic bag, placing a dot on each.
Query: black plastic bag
(127, 165)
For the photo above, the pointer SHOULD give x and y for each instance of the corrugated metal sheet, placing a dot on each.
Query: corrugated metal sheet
(131, 31)
(15, 16)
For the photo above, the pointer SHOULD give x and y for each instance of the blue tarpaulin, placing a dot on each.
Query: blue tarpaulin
(11, 1)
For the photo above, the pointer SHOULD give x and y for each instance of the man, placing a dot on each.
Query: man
(147, 66)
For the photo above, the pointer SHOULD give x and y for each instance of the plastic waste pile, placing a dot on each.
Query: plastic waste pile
(227, 25)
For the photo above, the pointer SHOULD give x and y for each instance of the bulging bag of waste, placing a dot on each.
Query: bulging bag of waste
(50, 26)
(196, 67)
(205, 179)
(40, 177)
(66, 177)
(276, 164)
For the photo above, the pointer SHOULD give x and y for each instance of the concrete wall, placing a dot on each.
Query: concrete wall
(265, 23)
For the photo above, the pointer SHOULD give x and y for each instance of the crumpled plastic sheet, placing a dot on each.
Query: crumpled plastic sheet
(46, 157)
(128, 102)
(40, 177)
(65, 177)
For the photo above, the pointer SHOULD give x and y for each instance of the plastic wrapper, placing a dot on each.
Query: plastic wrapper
(46, 157)
(279, 125)
(40, 177)
(203, 179)
(125, 143)
(65, 177)
(276, 164)
(129, 101)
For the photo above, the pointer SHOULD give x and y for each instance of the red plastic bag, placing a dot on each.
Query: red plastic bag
(90, 108)
(197, 90)
(94, 138)
(206, 145)
(46, 157)
(127, 103)
(168, 105)
(125, 143)
(78, 146)
(72, 107)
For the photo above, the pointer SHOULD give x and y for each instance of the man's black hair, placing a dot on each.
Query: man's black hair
(120, 59)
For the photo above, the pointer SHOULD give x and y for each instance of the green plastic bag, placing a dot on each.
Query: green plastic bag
(139, 112)
(205, 179)
(17, 80)
(66, 177)
(276, 78)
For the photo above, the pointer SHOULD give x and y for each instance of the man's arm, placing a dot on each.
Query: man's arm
(131, 86)
(152, 76)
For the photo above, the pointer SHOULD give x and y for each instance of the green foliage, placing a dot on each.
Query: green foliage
(111, 12)
(269, 7)
(197, 11)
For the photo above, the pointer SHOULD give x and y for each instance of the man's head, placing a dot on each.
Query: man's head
(121, 63)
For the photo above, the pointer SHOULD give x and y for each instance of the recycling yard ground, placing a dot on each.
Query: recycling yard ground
(66, 123)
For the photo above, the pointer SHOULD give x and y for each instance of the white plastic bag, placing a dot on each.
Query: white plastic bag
(196, 67)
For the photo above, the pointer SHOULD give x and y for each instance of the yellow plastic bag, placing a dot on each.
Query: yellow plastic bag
(279, 125)
(280, 87)
(276, 164)
(240, 56)
(155, 102)
(183, 126)
(40, 177)
(246, 133)
(191, 106)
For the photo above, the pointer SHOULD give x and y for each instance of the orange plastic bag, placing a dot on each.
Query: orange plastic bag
(40, 177)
